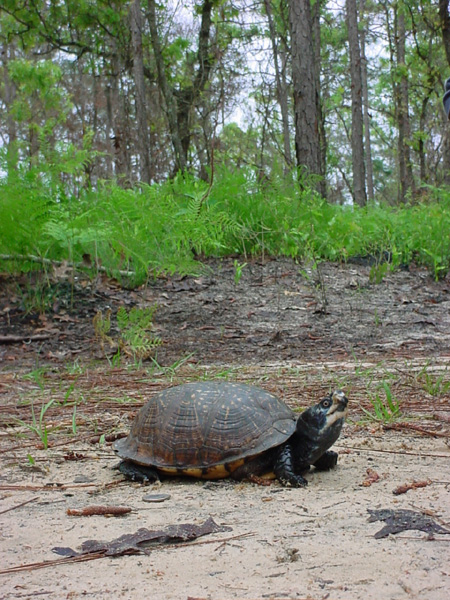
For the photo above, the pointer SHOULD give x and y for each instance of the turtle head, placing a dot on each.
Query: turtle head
(324, 419)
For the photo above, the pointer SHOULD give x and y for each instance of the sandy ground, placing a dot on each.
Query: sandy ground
(284, 543)
(312, 543)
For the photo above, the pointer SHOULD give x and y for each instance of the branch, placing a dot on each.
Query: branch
(59, 263)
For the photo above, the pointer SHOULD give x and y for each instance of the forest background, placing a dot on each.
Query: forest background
(138, 137)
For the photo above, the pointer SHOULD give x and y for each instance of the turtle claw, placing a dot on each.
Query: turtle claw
(296, 482)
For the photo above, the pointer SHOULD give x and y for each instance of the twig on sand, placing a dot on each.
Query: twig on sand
(94, 555)
(57, 487)
(19, 505)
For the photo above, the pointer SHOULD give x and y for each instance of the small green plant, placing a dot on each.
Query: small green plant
(38, 296)
(435, 385)
(74, 420)
(169, 371)
(38, 425)
(115, 361)
(136, 337)
(102, 327)
(378, 272)
(68, 393)
(75, 368)
(38, 376)
(238, 268)
(384, 409)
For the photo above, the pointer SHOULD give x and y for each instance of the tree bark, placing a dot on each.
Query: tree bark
(318, 66)
(166, 90)
(143, 138)
(402, 97)
(8, 53)
(180, 103)
(445, 26)
(188, 96)
(444, 15)
(119, 138)
(359, 177)
(282, 91)
(366, 113)
(305, 88)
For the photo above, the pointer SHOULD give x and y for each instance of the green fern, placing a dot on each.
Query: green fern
(136, 337)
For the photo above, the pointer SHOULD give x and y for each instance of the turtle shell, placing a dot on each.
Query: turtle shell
(206, 429)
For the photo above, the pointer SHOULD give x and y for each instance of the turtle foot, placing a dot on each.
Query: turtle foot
(138, 473)
(327, 461)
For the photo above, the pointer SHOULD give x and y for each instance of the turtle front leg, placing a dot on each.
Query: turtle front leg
(327, 461)
(284, 468)
(138, 473)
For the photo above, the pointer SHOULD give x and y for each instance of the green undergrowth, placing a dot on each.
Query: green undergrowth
(139, 233)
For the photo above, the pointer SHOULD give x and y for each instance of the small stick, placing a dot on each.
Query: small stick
(19, 505)
(52, 563)
(57, 487)
(400, 426)
(14, 339)
(89, 511)
(95, 555)
(402, 452)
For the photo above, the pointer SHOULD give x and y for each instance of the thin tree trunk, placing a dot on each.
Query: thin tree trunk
(444, 15)
(180, 103)
(188, 96)
(171, 104)
(421, 150)
(282, 91)
(109, 132)
(404, 132)
(119, 138)
(366, 112)
(359, 177)
(143, 138)
(8, 53)
(318, 65)
(445, 26)
(306, 113)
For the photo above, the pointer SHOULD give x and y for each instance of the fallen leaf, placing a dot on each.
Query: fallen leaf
(138, 542)
(372, 477)
(402, 489)
(403, 520)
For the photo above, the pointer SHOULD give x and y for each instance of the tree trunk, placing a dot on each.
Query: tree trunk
(119, 138)
(282, 91)
(444, 15)
(187, 97)
(359, 177)
(445, 26)
(366, 113)
(166, 90)
(8, 53)
(143, 138)
(318, 65)
(180, 103)
(404, 132)
(306, 113)
(421, 149)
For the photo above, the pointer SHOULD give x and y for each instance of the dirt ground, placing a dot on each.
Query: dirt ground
(291, 329)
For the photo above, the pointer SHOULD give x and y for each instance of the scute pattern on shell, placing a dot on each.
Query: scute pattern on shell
(200, 425)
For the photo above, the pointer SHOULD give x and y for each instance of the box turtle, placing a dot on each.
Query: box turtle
(213, 430)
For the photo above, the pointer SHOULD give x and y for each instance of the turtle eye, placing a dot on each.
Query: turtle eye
(326, 403)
